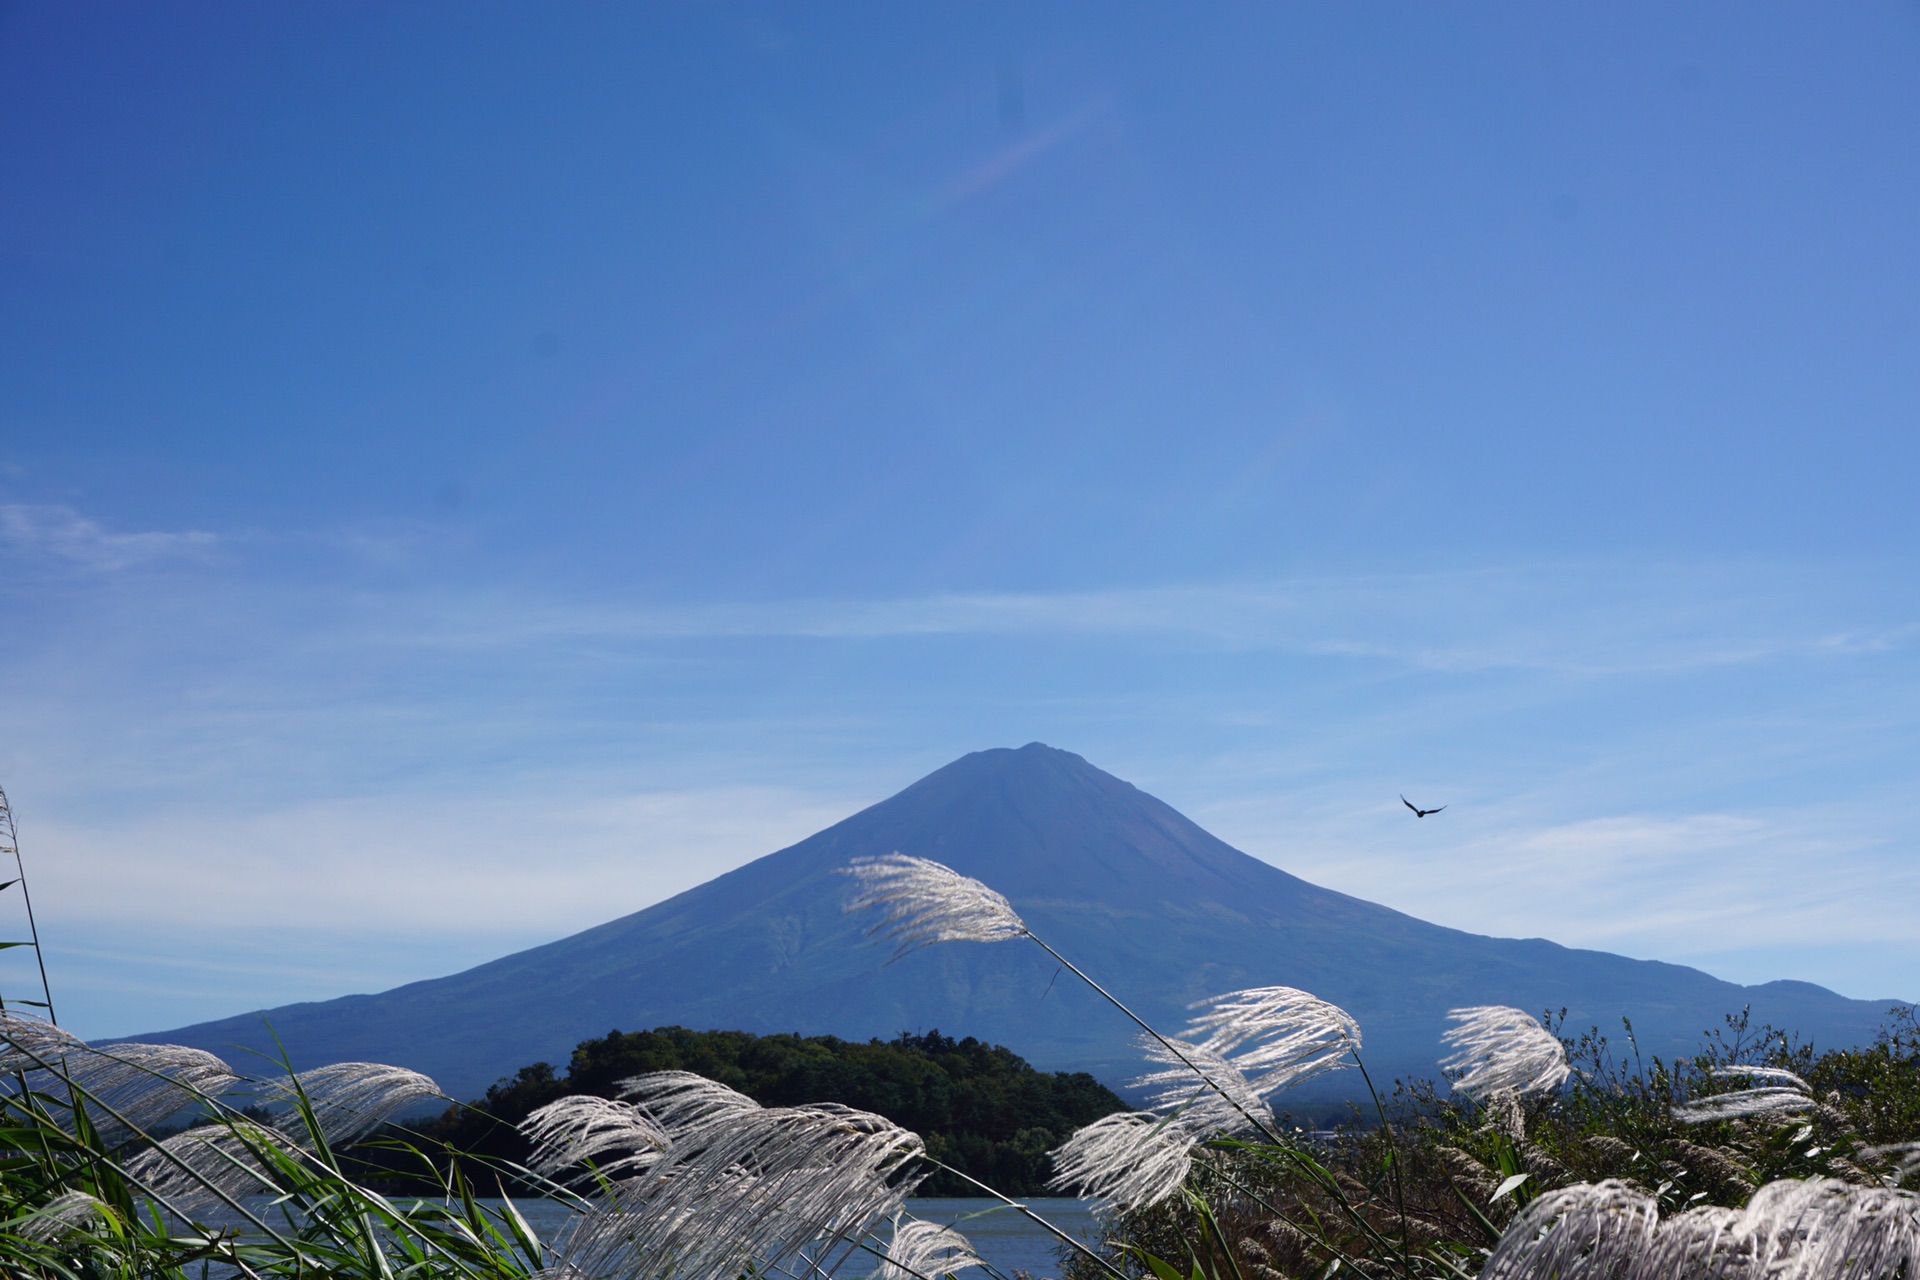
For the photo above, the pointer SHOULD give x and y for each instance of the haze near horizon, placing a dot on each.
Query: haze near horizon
(468, 476)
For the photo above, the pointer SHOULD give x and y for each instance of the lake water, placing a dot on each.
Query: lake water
(1008, 1240)
(1004, 1238)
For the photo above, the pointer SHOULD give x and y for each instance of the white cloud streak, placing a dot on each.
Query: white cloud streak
(1591, 620)
(50, 532)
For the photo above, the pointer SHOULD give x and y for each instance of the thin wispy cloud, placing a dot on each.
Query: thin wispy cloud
(1009, 160)
(1590, 618)
(1540, 617)
(59, 535)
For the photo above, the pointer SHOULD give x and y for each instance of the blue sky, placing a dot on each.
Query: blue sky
(467, 473)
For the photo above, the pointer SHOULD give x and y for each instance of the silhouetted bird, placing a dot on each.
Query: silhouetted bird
(1417, 811)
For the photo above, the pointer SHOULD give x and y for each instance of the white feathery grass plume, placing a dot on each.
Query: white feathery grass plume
(583, 1128)
(1700, 1244)
(1789, 1094)
(1815, 1229)
(67, 1214)
(1202, 1089)
(1742, 1071)
(1781, 1219)
(351, 1099)
(125, 1086)
(131, 1084)
(1496, 1047)
(195, 1169)
(746, 1184)
(1867, 1232)
(1587, 1230)
(1743, 1104)
(687, 1107)
(925, 902)
(1129, 1161)
(136, 1086)
(718, 1222)
(925, 1250)
(27, 1042)
(1277, 1036)
(1822, 1227)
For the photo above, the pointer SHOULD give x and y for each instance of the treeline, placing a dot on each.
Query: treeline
(981, 1108)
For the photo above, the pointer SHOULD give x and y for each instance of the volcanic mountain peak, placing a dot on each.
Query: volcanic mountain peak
(1134, 892)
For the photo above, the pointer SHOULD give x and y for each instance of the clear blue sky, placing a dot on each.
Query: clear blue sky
(467, 472)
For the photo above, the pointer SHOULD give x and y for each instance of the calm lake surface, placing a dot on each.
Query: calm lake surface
(1008, 1241)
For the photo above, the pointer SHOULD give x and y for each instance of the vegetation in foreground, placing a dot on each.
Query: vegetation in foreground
(1438, 1186)
(981, 1109)
(1545, 1158)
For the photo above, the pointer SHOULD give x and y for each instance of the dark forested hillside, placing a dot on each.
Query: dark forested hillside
(980, 1107)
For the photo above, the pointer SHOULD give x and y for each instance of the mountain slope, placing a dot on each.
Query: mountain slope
(1136, 894)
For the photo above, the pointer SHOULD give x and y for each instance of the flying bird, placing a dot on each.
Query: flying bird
(1417, 811)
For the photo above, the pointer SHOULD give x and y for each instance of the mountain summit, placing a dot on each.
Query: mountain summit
(1143, 899)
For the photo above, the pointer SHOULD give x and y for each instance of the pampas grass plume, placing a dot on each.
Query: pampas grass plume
(924, 902)
(1129, 1161)
(1497, 1048)
(924, 1251)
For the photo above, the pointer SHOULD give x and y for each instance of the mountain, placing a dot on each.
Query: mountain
(1144, 900)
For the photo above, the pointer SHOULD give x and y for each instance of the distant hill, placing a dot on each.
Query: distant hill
(981, 1108)
(1142, 898)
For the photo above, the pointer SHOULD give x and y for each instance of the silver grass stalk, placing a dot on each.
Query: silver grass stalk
(1506, 1113)
(1868, 1232)
(1497, 1047)
(136, 1086)
(721, 1226)
(745, 1185)
(1814, 1229)
(1700, 1244)
(203, 1166)
(616, 1137)
(1820, 1227)
(1277, 1037)
(1778, 1075)
(1741, 1104)
(1784, 1219)
(1203, 1090)
(924, 1251)
(1587, 1230)
(130, 1086)
(27, 1042)
(924, 902)
(68, 1214)
(687, 1107)
(351, 1099)
(1785, 1095)
(1127, 1162)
